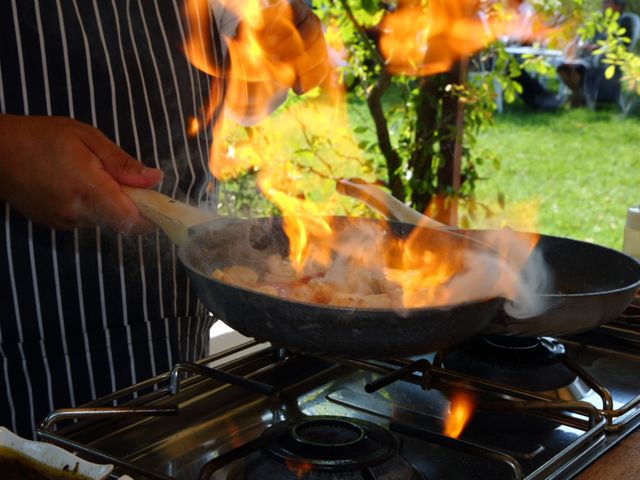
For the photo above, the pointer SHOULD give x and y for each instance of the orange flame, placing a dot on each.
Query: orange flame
(233, 432)
(299, 469)
(460, 410)
(310, 235)
(266, 53)
(428, 40)
(425, 38)
(423, 273)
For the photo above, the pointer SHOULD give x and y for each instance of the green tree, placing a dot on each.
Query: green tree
(414, 132)
(418, 120)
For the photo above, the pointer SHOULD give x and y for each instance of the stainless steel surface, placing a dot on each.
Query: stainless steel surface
(513, 432)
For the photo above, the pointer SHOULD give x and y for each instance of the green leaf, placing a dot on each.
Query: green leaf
(610, 71)
(509, 96)
(370, 6)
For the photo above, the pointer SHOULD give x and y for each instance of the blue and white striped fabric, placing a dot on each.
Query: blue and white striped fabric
(86, 312)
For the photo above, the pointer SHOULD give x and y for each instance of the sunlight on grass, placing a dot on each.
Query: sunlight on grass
(582, 169)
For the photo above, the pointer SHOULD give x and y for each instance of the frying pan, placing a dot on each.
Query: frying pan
(589, 284)
(207, 241)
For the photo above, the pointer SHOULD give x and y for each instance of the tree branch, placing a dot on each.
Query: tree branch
(361, 31)
(374, 102)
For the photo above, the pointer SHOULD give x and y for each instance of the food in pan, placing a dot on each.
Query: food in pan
(350, 286)
(355, 264)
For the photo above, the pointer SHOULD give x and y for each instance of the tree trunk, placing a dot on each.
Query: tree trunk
(451, 128)
(421, 161)
(392, 159)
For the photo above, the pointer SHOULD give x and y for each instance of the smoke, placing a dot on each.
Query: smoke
(530, 282)
(499, 263)
(521, 269)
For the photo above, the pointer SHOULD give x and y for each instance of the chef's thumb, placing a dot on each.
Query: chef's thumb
(126, 170)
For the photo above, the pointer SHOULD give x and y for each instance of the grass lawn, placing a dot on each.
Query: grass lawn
(573, 172)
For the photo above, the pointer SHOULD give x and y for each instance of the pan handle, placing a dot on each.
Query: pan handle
(387, 205)
(173, 217)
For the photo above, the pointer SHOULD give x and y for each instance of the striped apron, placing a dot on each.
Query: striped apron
(87, 312)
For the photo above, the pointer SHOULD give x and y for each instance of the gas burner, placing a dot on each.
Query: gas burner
(327, 447)
(533, 364)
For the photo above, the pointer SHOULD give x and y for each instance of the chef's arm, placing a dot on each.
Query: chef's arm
(65, 174)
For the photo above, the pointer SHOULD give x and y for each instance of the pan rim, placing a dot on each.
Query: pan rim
(622, 289)
(622, 255)
(627, 288)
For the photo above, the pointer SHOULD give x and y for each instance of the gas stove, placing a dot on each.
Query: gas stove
(540, 408)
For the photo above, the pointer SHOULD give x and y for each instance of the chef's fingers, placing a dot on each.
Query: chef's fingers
(109, 207)
(99, 198)
(63, 174)
(125, 169)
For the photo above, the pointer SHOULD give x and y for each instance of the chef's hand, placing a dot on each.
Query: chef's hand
(66, 174)
(291, 37)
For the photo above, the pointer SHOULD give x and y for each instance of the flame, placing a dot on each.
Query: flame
(193, 127)
(310, 235)
(235, 437)
(266, 53)
(425, 38)
(299, 469)
(421, 37)
(460, 410)
(422, 273)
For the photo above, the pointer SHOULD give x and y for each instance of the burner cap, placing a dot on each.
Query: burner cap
(326, 447)
(529, 363)
(333, 443)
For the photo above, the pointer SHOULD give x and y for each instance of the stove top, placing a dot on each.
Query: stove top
(254, 411)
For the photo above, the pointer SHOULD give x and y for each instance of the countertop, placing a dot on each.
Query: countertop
(622, 462)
